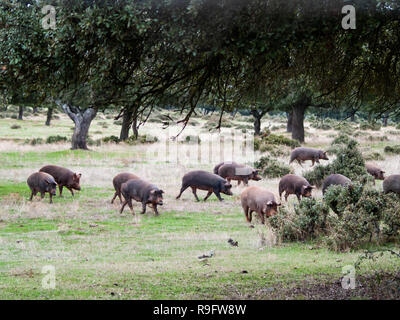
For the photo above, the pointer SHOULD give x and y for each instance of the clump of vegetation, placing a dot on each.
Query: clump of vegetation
(307, 221)
(272, 168)
(34, 141)
(268, 139)
(56, 139)
(141, 139)
(370, 126)
(111, 139)
(118, 122)
(192, 139)
(378, 138)
(392, 149)
(349, 162)
(321, 125)
(15, 126)
(373, 156)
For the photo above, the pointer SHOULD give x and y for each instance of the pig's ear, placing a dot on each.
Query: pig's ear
(270, 203)
(162, 191)
(152, 191)
(79, 175)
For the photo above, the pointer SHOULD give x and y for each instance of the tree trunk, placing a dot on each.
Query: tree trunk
(82, 120)
(289, 121)
(126, 124)
(35, 110)
(298, 122)
(20, 113)
(385, 119)
(353, 117)
(257, 121)
(49, 115)
(134, 126)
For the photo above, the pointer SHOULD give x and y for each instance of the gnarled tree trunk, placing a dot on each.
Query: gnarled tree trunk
(298, 110)
(49, 115)
(126, 125)
(82, 120)
(257, 120)
(385, 119)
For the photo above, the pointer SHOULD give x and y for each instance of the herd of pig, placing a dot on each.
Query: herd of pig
(253, 198)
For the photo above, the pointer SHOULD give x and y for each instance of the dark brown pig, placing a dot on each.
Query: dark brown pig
(335, 180)
(216, 168)
(64, 177)
(293, 184)
(239, 172)
(392, 184)
(375, 171)
(204, 180)
(259, 200)
(141, 191)
(42, 182)
(118, 180)
(302, 154)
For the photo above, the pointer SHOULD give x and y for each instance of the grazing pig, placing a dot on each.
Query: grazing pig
(141, 191)
(392, 184)
(239, 172)
(64, 177)
(293, 184)
(259, 200)
(42, 182)
(204, 180)
(118, 180)
(216, 168)
(302, 154)
(335, 180)
(375, 171)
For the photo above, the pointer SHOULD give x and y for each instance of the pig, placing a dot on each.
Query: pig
(239, 172)
(141, 191)
(64, 178)
(392, 184)
(216, 168)
(375, 171)
(42, 182)
(118, 180)
(293, 184)
(203, 180)
(259, 200)
(302, 154)
(334, 180)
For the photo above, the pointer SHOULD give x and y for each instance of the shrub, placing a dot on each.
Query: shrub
(373, 156)
(55, 139)
(392, 149)
(267, 139)
(15, 126)
(370, 126)
(111, 139)
(378, 138)
(132, 140)
(192, 139)
(272, 168)
(391, 216)
(34, 141)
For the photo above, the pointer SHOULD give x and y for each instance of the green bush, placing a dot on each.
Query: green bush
(132, 140)
(392, 149)
(192, 139)
(370, 126)
(272, 168)
(349, 162)
(111, 139)
(391, 216)
(373, 156)
(55, 139)
(268, 139)
(15, 126)
(34, 141)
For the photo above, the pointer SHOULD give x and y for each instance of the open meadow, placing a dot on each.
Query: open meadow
(98, 253)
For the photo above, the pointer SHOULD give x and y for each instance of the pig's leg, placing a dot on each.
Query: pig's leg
(299, 162)
(42, 195)
(239, 181)
(246, 213)
(245, 181)
(130, 205)
(123, 206)
(32, 194)
(261, 215)
(313, 161)
(155, 209)
(60, 187)
(250, 215)
(286, 195)
(115, 195)
(143, 207)
(195, 194)
(298, 197)
(218, 196)
(51, 198)
(72, 191)
(208, 194)
(182, 189)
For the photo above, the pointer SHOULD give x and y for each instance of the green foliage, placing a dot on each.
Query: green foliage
(111, 139)
(142, 139)
(391, 216)
(56, 139)
(370, 126)
(349, 162)
(268, 139)
(392, 149)
(272, 168)
(34, 141)
(374, 156)
(192, 139)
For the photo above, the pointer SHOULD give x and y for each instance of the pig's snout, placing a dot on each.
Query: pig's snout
(160, 202)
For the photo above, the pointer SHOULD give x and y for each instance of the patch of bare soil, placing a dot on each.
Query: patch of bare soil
(379, 286)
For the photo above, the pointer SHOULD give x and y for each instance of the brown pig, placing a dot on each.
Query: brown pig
(141, 191)
(203, 180)
(302, 154)
(64, 177)
(239, 172)
(335, 180)
(392, 184)
(42, 182)
(118, 180)
(375, 171)
(216, 168)
(293, 184)
(259, 200)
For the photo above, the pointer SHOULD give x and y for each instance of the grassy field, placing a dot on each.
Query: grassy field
(98, 253)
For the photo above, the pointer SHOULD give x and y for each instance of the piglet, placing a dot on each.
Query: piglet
(42, 182)
(293, 184)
